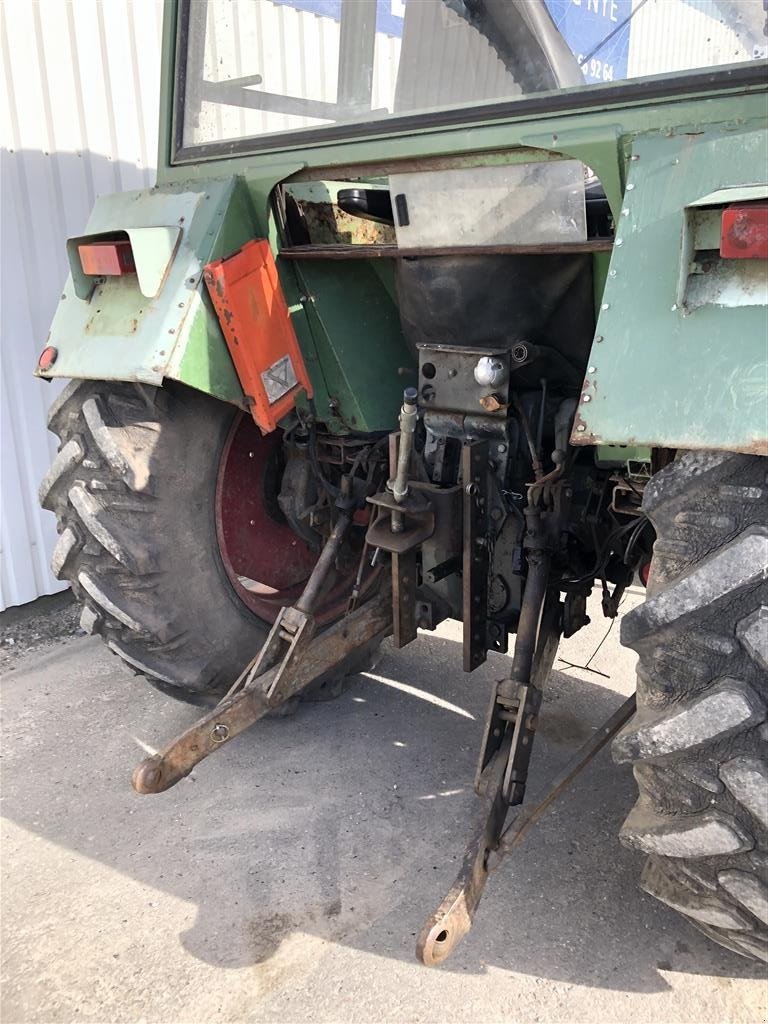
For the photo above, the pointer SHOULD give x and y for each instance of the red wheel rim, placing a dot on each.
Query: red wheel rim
(266, 562)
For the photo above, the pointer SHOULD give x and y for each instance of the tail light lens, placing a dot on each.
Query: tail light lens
(107, 259)
(744, 233)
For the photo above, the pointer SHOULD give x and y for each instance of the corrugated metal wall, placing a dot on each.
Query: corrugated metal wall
(675, 35)
(79, 118)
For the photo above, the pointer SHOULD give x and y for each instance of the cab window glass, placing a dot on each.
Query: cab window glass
(256, 68)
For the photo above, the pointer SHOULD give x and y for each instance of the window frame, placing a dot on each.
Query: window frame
(638, 91)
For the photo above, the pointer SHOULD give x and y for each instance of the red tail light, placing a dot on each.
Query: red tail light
(744, 233)
(107, 259)
(47, 358)
(645, 572)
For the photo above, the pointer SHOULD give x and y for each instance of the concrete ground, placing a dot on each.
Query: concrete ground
(286, 880)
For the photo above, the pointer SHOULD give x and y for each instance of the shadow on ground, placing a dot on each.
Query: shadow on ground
(347, 821)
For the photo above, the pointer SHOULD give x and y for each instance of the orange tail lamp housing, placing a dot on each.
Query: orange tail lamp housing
(249, 302)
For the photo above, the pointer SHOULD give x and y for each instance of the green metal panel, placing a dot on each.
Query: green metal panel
(359, 343)
(665, 370)
(345, 314)
(603, 138)
(345, 317)
(115, 332)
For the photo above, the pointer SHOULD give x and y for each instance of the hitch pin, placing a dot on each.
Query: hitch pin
(399, 486)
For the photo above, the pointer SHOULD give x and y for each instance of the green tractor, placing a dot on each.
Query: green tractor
(429, 317)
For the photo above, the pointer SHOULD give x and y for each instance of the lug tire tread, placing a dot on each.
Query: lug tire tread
(699, 740)
(132, 488)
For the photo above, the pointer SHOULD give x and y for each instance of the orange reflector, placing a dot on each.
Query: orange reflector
(254, 318)
(47, 358)
(107, 259)
(744, 234)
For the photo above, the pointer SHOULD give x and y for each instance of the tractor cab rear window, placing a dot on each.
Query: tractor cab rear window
(262, 69)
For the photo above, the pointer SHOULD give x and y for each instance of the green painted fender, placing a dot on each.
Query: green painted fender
(680, 354)
(109, 329)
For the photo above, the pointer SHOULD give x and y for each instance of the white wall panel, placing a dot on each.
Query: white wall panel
(80, 99)
(675, 35)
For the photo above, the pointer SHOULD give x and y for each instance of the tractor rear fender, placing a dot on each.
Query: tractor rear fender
(158, 322)
(154, 321)
(680, 353)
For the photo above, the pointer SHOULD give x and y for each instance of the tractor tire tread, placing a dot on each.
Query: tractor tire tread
(698, 740)
(131, 487)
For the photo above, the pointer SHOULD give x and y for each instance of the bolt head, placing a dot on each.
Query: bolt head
(219, 732)
(490, 372)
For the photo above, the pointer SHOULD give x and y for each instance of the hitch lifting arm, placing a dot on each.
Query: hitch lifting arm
(238, 712)
(506, 751)
(490, 845)
(287, 663)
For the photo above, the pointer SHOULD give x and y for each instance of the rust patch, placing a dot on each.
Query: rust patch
(581, 433)
(586, 437)
(521, 154)
(328, 225)
(758, 447)
(492, 403)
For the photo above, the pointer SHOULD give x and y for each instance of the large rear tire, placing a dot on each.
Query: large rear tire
(136, 489)
(699, 739)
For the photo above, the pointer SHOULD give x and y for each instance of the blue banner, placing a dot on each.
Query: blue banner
(389, 13)
(584, 24)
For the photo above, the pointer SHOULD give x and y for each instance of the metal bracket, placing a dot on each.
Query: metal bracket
(418, 522)
(404, 573)
(286, 643)
(513, 709)
(497, 636)
(474, 474)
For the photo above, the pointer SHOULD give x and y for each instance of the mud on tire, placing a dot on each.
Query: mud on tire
(133, 489)
(699, 740)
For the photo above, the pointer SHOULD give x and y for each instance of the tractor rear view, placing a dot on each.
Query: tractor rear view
(420, 325)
